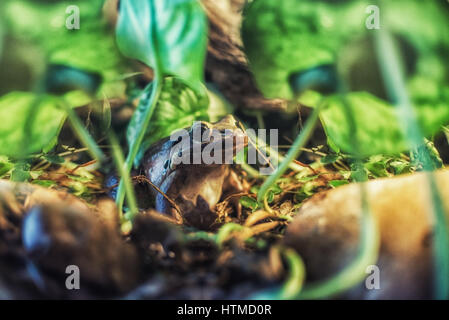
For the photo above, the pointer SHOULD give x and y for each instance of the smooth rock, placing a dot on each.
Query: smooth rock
(325, 232)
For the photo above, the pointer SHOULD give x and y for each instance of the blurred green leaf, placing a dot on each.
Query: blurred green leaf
(91, 48)
(21, 172)
(53, 158)
(286, 38)
(400, 166)
(377, 131)
(328, 159)
(44, 183)
(30, 123)
(427, 149)
(5, 166)
(289, 36)
(337, 183)
(181, 36)
(377, 166)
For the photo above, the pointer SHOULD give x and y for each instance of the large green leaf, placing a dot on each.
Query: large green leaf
(284, 39)
(91, 48)
(289, 36)
(29, 123)
(178, 107)
(181, 36)
(377, 129)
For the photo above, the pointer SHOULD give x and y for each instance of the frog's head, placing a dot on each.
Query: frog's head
(225, 133)
(225, 137)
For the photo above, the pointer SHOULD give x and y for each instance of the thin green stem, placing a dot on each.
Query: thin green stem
(82, 134)
(260, 121)
(128, 185)
(274, 154)
(225, 231)
(292, 154)
(394, 79)
(296, 277)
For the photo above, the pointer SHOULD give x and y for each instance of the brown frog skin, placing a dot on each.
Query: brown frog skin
(195, 188)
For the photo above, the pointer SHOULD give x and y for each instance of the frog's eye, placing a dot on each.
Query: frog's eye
(201, 132)
(237, 123)
(204, 128)
(166, 164)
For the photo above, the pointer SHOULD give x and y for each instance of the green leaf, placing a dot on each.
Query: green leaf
(337, 183)
(377, 166)
(377, 128)
(178, 107)
(328, 159)
(181, 36)
(276, 189)
(249, 203)
(286, 38)
(44, 183)
(270, 196)
(91, 48)
(400, 166)
(289, 36)
(283, 38)
(427, 149)
(254, 189)
(54, 158)
(29, 123)
(21, 172)
(305, 192)
(5, 166)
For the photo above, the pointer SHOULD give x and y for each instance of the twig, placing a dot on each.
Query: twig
(145, 179)
(82, 166)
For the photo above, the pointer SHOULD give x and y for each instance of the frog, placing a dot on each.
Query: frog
(196, 187)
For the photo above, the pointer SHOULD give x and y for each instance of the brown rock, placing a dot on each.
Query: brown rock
(325, 233)
(53, 229)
